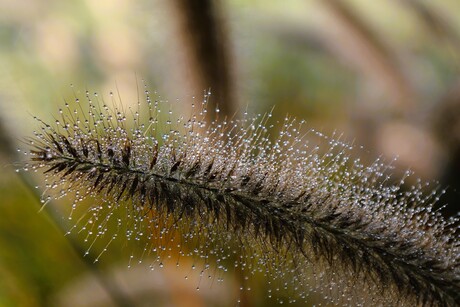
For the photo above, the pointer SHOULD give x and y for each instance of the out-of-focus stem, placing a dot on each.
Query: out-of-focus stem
(203, 36)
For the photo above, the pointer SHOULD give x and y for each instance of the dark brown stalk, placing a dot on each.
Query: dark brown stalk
(204, 39)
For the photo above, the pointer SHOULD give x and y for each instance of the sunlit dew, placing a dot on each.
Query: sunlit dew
(293, 210)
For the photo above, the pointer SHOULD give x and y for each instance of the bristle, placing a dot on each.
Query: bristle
(318, 221)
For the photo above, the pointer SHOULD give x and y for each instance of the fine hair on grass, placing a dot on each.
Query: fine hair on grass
(231, 193)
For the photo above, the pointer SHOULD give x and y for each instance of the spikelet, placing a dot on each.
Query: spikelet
(316, 220)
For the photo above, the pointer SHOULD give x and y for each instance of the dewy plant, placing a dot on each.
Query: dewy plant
(313, 218)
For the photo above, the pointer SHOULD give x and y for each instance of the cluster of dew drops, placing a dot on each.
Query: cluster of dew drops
(96, 221)
(305, 165)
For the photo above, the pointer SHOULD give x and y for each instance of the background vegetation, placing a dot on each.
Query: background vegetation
(383, 73)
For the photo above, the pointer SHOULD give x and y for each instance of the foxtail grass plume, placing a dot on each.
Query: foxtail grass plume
(228, 192)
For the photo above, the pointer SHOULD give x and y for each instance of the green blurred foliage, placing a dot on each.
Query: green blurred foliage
(34, 253)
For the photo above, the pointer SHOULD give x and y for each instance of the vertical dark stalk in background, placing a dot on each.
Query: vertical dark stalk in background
(204, 38)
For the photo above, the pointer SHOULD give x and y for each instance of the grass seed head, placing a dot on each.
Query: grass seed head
(312, 218)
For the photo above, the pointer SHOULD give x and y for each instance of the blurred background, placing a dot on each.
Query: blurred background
(385, 74)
